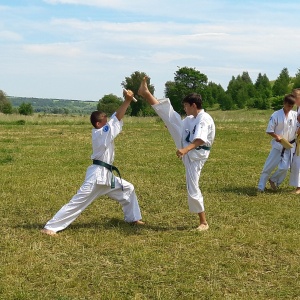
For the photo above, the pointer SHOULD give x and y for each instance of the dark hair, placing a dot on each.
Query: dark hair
(296, 92)
(97, 116)
(193, 98)
(290, 99)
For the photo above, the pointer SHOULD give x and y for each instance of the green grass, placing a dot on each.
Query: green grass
(251, 250)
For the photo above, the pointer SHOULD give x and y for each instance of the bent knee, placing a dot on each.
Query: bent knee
(128, 187)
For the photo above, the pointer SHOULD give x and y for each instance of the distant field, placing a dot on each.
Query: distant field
(55, 106)
(251, 251)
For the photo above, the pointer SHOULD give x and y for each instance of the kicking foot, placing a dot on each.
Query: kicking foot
(273, 185)
(143, 89)
(202, 227)
(48, 231)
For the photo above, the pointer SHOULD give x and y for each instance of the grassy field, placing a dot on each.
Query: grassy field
(251, 251)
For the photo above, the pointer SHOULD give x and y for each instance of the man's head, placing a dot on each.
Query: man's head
(192, 103)
(98, 119)
(296, 93)
(288, 102)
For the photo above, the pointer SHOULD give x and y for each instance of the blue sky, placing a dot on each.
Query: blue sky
(84, 49)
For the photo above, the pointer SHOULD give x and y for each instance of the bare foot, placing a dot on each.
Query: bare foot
(202, 227)
(297, 191)
(48, 231)
(139, 223)
(273, 185)
(143, 89)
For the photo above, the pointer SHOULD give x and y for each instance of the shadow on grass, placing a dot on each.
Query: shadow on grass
(127, 227)
(30, 226)
(244, 190)
(252, 191)
(158, 227)
(112, 223)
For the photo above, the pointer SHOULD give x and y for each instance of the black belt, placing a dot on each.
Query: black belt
(199, 147)
(283, 150)
(111, 168)
(203, 147)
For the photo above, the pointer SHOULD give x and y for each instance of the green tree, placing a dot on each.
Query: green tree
(139, 108)
(241, 90)
(216, 91)
(296, 84)
(233, 88)
(5, 105)
(263, 93)
(186, 81)
(247, 81)
(281, 84)
(263, 86)
(25, 109)
(109, 103)
(242, 97)
(172, 92)
(226, 102)
(276, 102)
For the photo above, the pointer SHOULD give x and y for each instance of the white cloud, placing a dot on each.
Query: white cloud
(194, 10)
(168, 57)
(8, 35)
(96, 3)
(53, 49)
(95, 47)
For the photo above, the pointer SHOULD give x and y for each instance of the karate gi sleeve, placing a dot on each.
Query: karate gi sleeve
(202, 131)
(115, 126)
(111, 130)
(272, 123)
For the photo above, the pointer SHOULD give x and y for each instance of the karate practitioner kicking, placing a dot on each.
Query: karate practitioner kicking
(282, 124)
(193, 138)
(100, 179)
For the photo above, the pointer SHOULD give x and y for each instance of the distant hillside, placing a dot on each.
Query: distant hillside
(55, 106)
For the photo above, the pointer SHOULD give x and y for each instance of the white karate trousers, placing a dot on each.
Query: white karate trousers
(87, 193)
(275, 160)
(192, 167)
(295, 171)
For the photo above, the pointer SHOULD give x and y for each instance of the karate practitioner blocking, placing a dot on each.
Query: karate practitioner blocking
(295, 167)
(282, 124)
(100, 179)
(193, 137)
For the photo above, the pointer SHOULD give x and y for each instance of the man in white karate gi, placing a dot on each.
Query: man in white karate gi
(193, 138)
(282, 124)
(100, 179)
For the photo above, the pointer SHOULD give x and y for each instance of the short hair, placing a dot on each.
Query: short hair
(193, 98)
(97, 116)
(296, 92)
(290, 99)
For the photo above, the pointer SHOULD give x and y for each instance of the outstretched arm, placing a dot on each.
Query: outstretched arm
(145, 93)
(123, 107)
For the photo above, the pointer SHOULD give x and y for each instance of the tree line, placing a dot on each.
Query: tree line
(55, 106)
(7, 108)
(241, 93)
